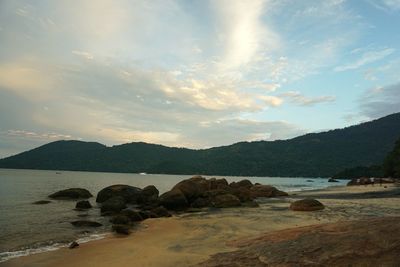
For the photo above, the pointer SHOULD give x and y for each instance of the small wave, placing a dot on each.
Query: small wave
(8, 255)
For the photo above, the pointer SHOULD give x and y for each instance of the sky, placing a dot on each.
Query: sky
(194, 73)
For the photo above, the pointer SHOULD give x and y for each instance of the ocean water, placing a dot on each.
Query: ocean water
(27, 228)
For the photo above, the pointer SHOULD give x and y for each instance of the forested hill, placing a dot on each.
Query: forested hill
(311, 155)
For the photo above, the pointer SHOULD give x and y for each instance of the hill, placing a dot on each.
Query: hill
(311, 155)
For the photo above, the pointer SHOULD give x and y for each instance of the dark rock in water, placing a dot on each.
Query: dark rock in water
(120, 219)
(74, 245)
(310, 181)
(174, 200)
(129, 193)
(71, 193)
(121, 229)
(243, 193)
(225, 201)
(149, 194)
(41, 202)
(161, 212)
(83, 204)
(193, 188)
(266, 191)
(86, 224)
(145, 214)
(307, 204)
(331, 180)
(113, 205)
(243, 183)
(215, 184)
(133, 216)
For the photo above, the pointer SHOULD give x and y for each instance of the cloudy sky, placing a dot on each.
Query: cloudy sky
(193, 73)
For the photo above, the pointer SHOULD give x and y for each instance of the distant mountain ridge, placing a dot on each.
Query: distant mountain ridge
(311, 155)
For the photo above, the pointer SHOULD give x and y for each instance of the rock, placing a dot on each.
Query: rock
(243, 183)
(331, 180)
(149, 194)
(121, 229)
(73, 245)
(310, 181)
(71, 193)
(200, 202)
(250, 204)
(41, 202)
(120, 219)
(307, 204)
(360, 181)
(113, 205)
(367, 242)
(147, 214)
(133, 216)
(129, 193)
(215, 184)
(174, 200)
(243, 193)
(266, 191)
(192, 188)
(161, 212)
(86, 224)
(225, 201)
(83, 204)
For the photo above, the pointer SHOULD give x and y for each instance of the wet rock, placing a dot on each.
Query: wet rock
(73, 245)
(86, 224)
(243, 183)
(200, 202)
(250, 204)
(133, 216)
(129, 193)
(120, 219)
(331, 180)
(243, 193)
(161, 212)
(174, 200)
(41, 202)
(83, 204)
(113, 205)
(71, 193)
(121, 229)
(266, 191)
(225, 201)
(149, 194)
(307, 204)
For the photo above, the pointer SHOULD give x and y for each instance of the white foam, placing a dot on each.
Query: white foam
(8, 255)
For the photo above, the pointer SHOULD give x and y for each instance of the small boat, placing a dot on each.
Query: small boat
(143, 173)
(58, 172)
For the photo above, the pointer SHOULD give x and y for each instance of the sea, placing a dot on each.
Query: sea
(26, 228)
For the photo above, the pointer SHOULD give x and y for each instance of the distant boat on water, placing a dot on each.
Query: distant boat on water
(143, 173)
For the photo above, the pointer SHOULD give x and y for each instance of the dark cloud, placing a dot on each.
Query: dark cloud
(380, 102)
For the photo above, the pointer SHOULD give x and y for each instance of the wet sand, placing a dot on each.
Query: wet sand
(189, 239)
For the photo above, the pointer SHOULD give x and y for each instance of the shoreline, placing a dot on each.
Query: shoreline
(191, 238)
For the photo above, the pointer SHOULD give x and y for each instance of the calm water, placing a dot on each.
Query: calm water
(27, 228)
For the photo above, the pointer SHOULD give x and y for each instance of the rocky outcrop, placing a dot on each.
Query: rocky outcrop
(367, 181)
(331, 180)
(149, 194)
(174, 200)
(266, 191)
(307, 204)
(370, 242)
(130, 194)
(121, 229)
(71, 193)
(113, 205)
(86, 224)
(225, 201)
(133, 216)
(83, 205)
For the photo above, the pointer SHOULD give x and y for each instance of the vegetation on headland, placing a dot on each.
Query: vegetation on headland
(311, 155)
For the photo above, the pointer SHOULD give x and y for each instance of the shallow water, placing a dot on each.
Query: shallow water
(27, 228)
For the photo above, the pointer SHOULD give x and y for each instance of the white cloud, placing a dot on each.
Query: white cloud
(366, 58)
(83, 54)
(299, 99)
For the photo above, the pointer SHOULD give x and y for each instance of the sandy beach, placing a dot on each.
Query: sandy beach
(191, 238)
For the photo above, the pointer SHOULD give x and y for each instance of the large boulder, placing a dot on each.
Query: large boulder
(174, 200)
(149, 194)
(243, 193)
(161, 212)
(113, 205)
(215, 184)
(83, 204)
(133, 216)
(120, 219)
(123, 229)
(331, 180)
(131, 194)
(225, 201)
(193, 188)
(243, 183)
(71, 193)
(86, 224)
(307, 204)
(266, 191)
(41, 202)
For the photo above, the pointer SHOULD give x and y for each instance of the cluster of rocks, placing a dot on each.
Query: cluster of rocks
(367, 181)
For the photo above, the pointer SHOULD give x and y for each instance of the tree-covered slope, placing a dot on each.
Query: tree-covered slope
(311, 155)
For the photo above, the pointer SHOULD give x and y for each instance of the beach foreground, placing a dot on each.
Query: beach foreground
(191, 239)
